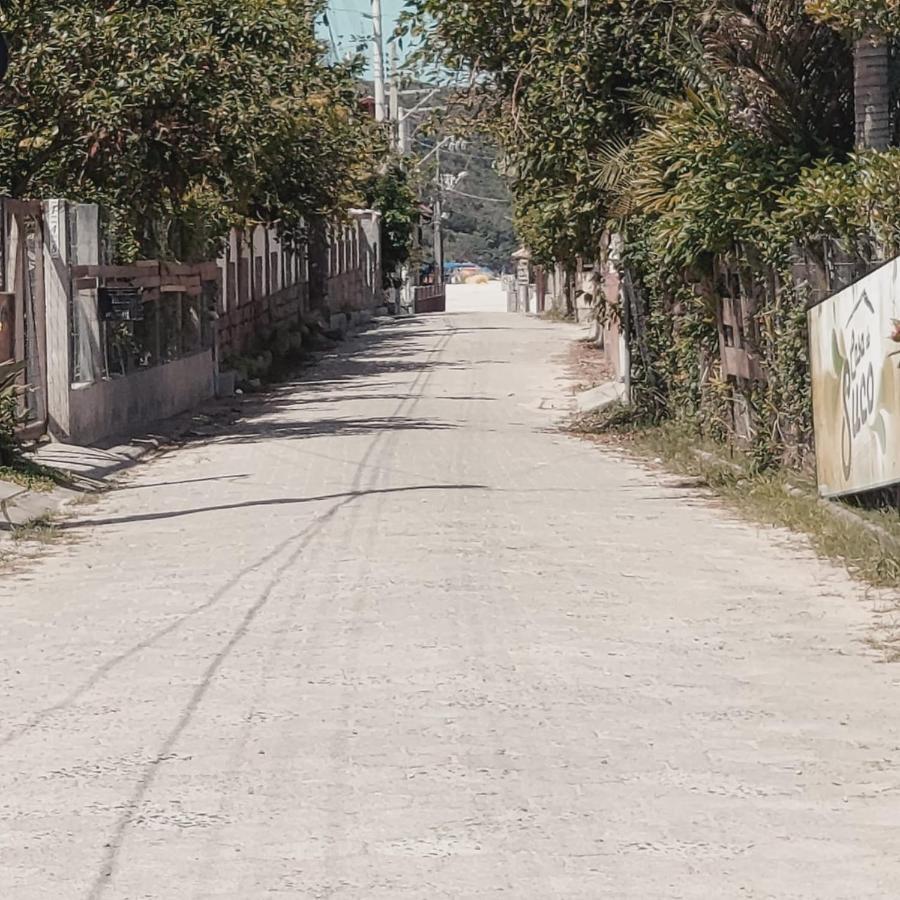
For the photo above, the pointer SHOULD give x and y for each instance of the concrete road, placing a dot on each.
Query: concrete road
(396, 637)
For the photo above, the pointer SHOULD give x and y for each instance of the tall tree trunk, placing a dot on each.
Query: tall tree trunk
(872, 92)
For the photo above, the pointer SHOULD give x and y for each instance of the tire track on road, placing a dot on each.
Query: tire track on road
(106, 668)
(115, 843)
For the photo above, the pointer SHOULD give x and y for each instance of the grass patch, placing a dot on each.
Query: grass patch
(42, 530)
(31, 475)
(554, 314)
(866, 542)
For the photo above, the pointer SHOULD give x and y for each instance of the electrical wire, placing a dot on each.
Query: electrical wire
(468, 154)
(350, 28)
(335, 56)
(475, 196)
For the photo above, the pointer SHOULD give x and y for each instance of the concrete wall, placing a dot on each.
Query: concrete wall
(354, 265)
(121, 406)
(265, 289)
(269, 288)
(588, 283)
(610, 332)
(262, 287)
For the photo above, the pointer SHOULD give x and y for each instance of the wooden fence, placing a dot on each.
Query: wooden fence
(22, 309)
(140, 316)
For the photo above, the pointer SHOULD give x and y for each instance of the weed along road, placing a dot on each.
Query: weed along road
(396, 636)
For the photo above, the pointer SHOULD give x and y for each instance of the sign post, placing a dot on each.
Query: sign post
(855, 367)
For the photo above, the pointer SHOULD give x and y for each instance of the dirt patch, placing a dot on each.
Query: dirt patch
(587, 366)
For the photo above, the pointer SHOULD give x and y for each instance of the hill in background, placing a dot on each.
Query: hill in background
(477, 230)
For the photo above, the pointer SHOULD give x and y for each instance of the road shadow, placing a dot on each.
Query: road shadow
(355, 371)
(276, 501)
(269, 428)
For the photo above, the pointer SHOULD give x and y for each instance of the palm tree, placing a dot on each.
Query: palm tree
(872, 91)
(763, 65)
(789, 73)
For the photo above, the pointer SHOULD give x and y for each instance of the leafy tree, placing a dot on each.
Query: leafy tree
(556, 81)
(695, 127)
(392, 193)
(178, 114)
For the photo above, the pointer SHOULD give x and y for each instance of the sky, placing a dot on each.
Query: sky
(349, 19)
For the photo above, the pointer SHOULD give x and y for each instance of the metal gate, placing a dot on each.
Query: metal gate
(22, 322)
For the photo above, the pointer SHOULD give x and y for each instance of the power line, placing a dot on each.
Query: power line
(469, 155)
(348, 28)
(334, 50)
(476, 197)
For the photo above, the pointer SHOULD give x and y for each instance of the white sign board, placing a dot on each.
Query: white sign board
(855, 364)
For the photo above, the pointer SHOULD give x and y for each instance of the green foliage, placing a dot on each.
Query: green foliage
(858, 17)
(179, 113)
(10, 393)
(856, 202)
(674, 360)
(715, 138)
(784, 402)
(703, 190)
(393, 194)
(702, 181)
(556, 81)
(759, 85)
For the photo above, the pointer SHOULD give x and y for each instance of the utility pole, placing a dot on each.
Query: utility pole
(439, 239)
(439, 225)
(378, 61)
(398, 114)
(394, 111)
(403, 133)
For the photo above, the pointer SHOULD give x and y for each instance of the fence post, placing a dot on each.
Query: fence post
(89, 355)
(57, 288)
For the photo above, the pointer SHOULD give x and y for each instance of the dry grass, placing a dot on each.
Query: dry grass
(587, 365)
(42, 530)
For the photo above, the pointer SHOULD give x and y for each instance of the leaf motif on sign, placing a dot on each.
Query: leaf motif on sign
(878, 426)
(837, 357)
